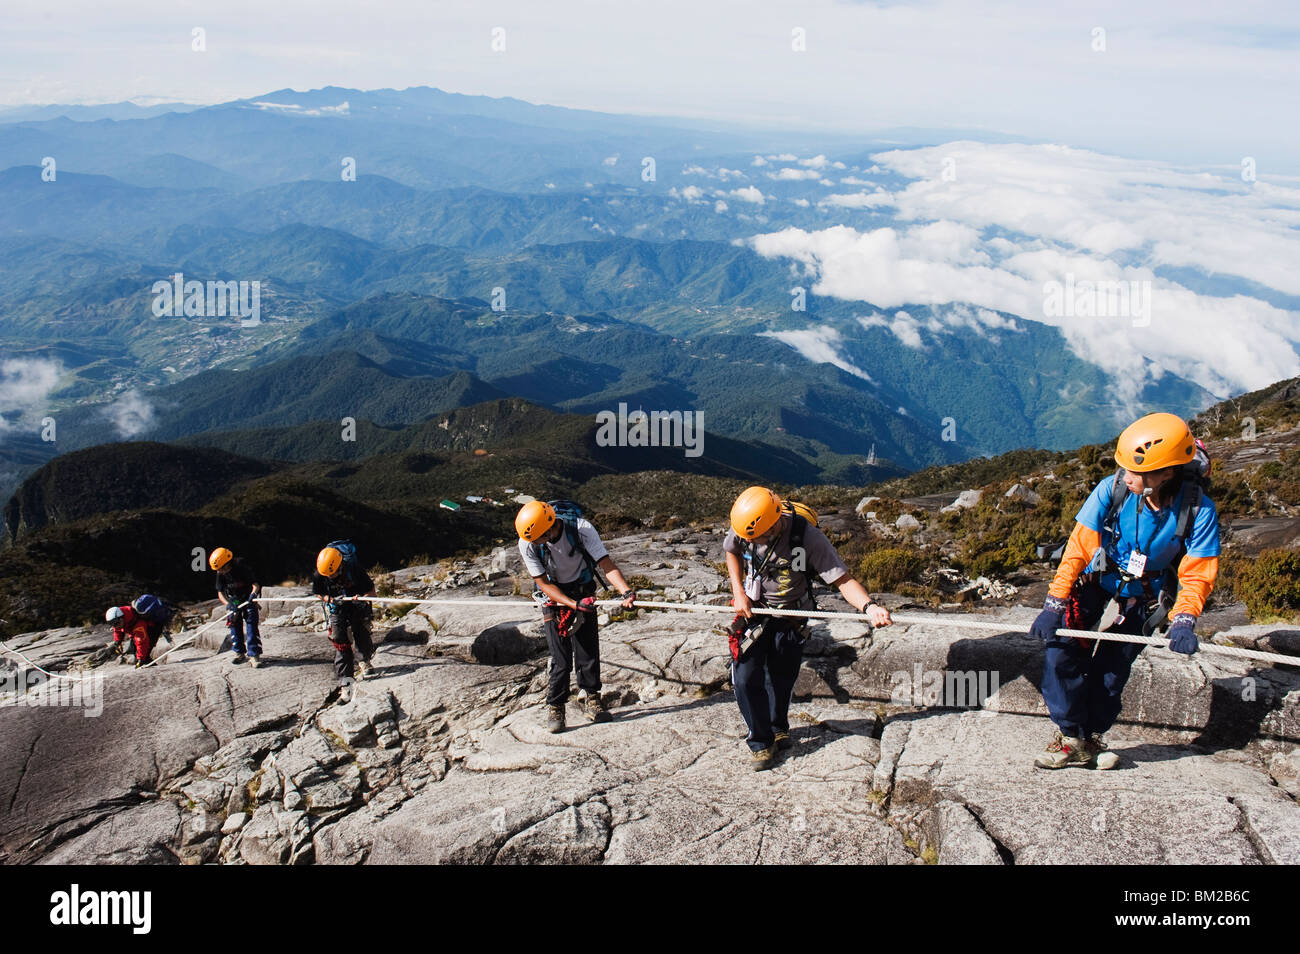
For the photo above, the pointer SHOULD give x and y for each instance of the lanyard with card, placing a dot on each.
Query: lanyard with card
(1137, 559)
(1137, 563)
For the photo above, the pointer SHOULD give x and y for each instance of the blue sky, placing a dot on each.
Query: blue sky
(1180, 81)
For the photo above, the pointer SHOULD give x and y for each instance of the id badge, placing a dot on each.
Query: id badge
(1137, 562)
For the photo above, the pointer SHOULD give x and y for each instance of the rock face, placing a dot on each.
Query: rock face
(912, 744)
(965, 500)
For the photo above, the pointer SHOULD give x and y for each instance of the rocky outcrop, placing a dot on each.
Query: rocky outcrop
(912, 744)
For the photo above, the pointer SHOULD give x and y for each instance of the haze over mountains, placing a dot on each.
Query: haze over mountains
(817, 298)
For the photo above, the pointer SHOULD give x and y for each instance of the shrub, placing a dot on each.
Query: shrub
(885, 569)
(1270, 585)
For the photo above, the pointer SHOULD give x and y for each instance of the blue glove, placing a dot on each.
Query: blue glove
(1182, 635)
(1050, 619)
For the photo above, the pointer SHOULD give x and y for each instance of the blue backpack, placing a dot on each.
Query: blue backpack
(569, 513)
(153, 609)
(348, 550)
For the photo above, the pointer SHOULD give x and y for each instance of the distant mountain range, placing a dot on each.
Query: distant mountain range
(380, 298)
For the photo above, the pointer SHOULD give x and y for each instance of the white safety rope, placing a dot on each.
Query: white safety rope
(904, 620)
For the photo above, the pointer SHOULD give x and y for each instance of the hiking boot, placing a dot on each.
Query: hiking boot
(1064, 751)
(255, 662)
(365, 669)
(141, 663)
(1102, 757)
(594, 707)
(238, 658)
(345, 694)
(555, 718)
(762, 759)
(783, 740)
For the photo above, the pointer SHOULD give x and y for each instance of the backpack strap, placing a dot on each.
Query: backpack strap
(1109, 520)
(1118, 495)
(798, 527)
(571, 534)
(1193, 494)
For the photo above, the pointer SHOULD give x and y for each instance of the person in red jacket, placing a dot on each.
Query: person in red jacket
(130, 626)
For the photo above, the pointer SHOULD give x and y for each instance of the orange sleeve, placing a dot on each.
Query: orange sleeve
(1083, 543)
(1196, 577)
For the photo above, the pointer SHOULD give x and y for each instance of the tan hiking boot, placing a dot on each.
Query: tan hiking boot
(762, 759)
(1063, 752)
(783, 740)
(594, 708)
(555, 718)
(1102, 757)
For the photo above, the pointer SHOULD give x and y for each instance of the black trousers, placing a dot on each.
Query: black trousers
(581, 645)
(350, 624)
(1083, 683)
(764, 678)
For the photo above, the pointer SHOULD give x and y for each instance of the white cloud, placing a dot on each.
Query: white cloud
(610, 160)
(131, 414)
(1097, 218)
(858, 200)
(689, 193)
(907, 330)
(342, 109)
(759, 161)
(789, 173)
(25, 385)
(854, 180)
(802, 203)
(820, 345)
(719, 207)
(748, 194)
(722, 173)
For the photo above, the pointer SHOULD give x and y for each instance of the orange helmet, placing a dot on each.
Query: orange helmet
(535, 519)
(220, 557)
(755, 512)
(328, 562)
(1155, 442)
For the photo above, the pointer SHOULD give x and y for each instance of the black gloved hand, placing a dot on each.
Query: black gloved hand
(1050, 619)
(1182, 634)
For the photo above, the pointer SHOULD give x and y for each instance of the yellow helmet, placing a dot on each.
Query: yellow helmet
(220, 557)
(755, 512)
(328, 562)
(1155, 442)
(535, 519)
